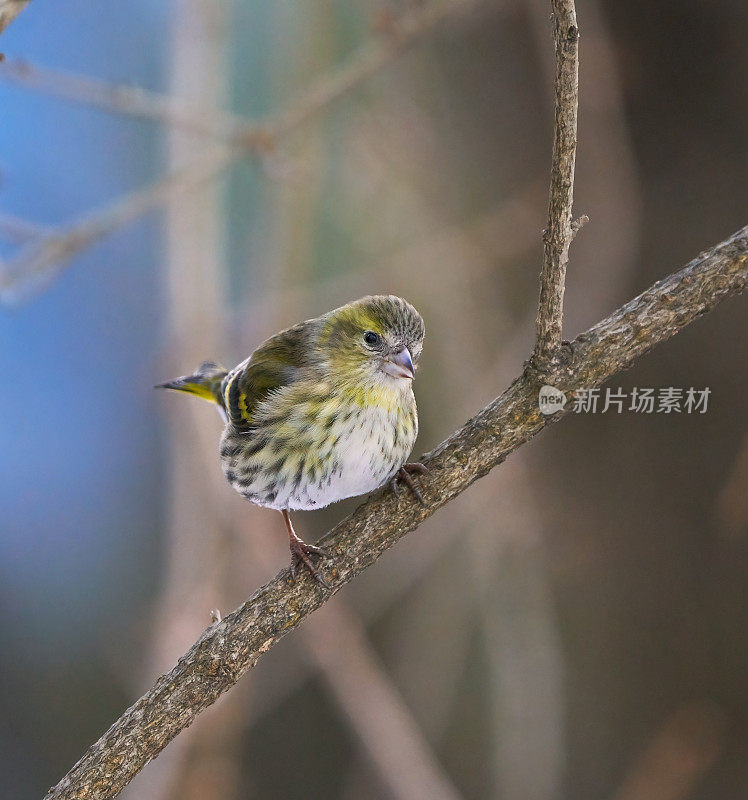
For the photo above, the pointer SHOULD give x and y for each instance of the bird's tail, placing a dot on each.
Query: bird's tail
(205, 383)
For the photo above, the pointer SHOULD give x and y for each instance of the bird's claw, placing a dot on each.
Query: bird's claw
(415, 466)
(302, 554)
(403, 474)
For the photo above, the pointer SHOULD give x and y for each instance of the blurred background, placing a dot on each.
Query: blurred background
(574, 625)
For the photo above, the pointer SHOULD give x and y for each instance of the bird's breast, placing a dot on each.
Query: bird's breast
(304, 461)
(373, 444)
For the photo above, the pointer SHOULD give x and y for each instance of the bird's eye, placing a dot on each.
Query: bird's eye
(371, 338)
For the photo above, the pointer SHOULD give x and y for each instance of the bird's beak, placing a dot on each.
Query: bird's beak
(400, 365)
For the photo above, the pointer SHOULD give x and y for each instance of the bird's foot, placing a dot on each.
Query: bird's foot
(404, 473)
(302, 554)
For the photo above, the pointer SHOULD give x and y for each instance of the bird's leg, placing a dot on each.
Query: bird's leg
(302, 553)
(404, 473)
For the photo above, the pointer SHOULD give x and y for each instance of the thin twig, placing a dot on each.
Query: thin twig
(578, 224)
(40, 261)
(228, 649)
(559, 233)
(19, 229)
(610, 159)
(120, 98)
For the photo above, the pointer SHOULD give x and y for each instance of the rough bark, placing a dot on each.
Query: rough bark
(559, 231)
(229, 648)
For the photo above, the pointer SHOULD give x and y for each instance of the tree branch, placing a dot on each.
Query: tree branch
(9, 10)
(43, 258)
(229, 648)
(559, 231)
(133, 101)
(19, 229)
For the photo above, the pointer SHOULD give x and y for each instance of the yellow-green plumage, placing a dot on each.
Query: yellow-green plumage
(321, 411)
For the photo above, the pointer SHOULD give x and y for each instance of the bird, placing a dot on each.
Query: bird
(322, 411)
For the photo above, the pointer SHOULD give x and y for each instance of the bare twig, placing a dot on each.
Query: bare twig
(609, 160)
(228, 649)
(9, 10)
(559, 232)
(132, 100)
(578, 224)
(21, 230)
(42, 260)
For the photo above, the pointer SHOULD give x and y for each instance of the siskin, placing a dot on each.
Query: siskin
(320, 412)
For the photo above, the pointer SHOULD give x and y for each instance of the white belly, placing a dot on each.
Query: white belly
(368, 454)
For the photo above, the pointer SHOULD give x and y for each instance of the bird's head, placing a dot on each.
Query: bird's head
(376, 340)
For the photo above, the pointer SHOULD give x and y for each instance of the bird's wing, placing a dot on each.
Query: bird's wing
(275, 363)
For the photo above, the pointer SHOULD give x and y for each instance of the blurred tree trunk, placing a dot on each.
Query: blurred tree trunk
(195, 312)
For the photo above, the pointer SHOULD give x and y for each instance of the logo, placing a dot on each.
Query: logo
(550, 400)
